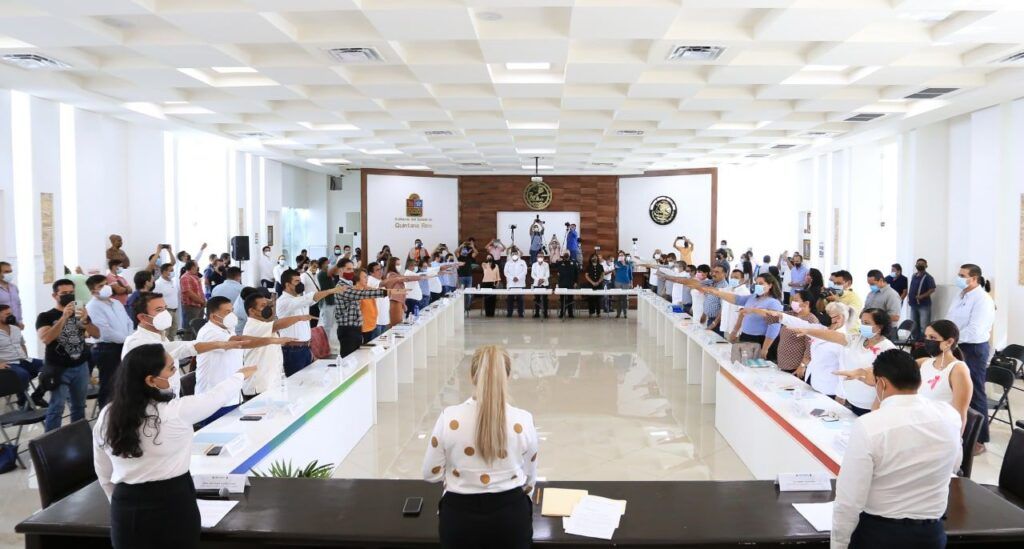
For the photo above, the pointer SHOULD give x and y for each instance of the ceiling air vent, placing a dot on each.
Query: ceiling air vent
(473, 165)
(603, 164)
(758, 155)
(783, 146)
(1015, 58)
(865, 116)
(931, 93)
(434, 133)
(629, 133)
(695, 53)
(819, 134)
(355, 55)
(32, 61)
(253, 135)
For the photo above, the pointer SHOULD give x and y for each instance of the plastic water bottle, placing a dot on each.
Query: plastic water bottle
(282, 385)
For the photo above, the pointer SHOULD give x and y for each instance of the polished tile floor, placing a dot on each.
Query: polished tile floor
(606, 403)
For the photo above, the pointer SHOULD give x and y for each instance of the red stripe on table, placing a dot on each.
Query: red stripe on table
(828, 462)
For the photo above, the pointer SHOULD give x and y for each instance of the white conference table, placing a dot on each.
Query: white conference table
(323, 411)
(574, 292)
(763, 413)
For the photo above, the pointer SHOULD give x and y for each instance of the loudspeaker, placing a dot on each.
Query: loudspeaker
(240, 248)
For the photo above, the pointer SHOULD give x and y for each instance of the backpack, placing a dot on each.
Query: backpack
(8, 458)
(319, 345)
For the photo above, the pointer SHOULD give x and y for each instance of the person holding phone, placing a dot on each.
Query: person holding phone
(65, 374)
(142, 449)
(485, 452)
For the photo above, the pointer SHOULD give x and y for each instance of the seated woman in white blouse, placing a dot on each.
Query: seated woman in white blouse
(485, 452)
(944, 374)
(857, 389)
(826, 355)
(142, 448)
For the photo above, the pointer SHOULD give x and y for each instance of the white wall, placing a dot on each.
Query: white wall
(386, 212)
(692, 195)
(340, 207)
(757, 208)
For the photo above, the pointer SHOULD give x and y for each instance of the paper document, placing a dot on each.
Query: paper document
(805, 482)
(212, 511)
(594, 517)
(558, 502)
(818, 514)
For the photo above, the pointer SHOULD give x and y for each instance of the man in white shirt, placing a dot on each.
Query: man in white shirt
(413, 290)
(268, 359)
(540, 272)
(167, 285)
(115, 326)
(730, 312)
(374, 278)
(608, 266)
(265, 270)
(515, 278)
(215, 366)
(974, 312)
(893, 485)
(294, 301)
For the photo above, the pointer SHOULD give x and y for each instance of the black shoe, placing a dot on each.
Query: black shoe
(536, 315)
(39, 401)
(521, 315)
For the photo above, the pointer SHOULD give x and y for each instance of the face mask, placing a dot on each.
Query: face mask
(796, 306)
(266, 253)
(867, 332)
(894, 275)
(797, 264)
(105, 292)
(266, 312)
(9, 277)
(834, 286)
(921, 267)
(932, 347)
(540, 260)
(162, 321)
(515, 257)
(337, 252)
(10, 320)
(733, 283)
(230, 321)
(701, 276)
(300, 288)
(622, 258)
(280, 262)
(119, 270)
(657, 256)
(874, 288)
(419, 244)
(173, 386)
(65, 300)
(759, 290)
(961, 282)
(348, 276)
(594, 261)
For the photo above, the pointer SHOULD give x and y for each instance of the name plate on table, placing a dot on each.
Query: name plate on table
(235, 447)
(235, 484)
(804, 482)
(377, 351)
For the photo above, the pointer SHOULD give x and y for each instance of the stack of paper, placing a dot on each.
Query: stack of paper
(559, 502)
(594, 517)
(818, 514)
(211, 512)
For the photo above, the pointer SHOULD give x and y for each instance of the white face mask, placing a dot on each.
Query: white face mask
(230, 321)
(796, 306)
(280, 262)
(9, 277)
(173, 386)
(162, 320)
(105, 292)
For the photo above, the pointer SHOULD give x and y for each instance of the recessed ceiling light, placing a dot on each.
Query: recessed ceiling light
(327, 161)
(537, 151)
(490, 16)
(380, 151)
(412, 167)
(116, 23)
(523, 66)
(233, 70)
(538, 166)
(926, 16)
(826, 68)
(532, 125)
(329, 127)
(169, 103)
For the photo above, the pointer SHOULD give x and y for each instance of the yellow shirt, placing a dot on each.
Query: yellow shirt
(855, 302)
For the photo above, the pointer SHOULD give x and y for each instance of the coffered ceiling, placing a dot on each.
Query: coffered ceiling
(471, 86)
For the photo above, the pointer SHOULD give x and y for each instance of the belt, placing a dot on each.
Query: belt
(297, 344)
(900, 520)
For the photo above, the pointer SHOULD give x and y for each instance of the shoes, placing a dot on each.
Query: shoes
(979, 449)
(39, 401)
(536, 315)
(617, 315)
(521, 315)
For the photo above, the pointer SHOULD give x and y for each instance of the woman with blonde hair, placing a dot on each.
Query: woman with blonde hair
(485, 452)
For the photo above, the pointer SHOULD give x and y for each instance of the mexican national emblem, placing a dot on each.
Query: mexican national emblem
(537, 195)
(663, 210)
(414, 206)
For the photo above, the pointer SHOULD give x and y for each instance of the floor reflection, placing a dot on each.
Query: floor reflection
(607, 407)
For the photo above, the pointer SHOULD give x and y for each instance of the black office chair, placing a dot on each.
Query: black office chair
(1011, 474)
(1015, 352)
(93, 393)
(10, 385)
(188, 384)
(909, 326)
(63, 461)
(971, 432)
(1004, 378)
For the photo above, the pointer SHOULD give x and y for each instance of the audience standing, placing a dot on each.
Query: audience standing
(974, 312)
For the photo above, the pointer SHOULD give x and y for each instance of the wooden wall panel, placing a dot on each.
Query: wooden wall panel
(596, 197)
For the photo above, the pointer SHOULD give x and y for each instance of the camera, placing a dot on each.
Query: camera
(513, 227)
(635, 239)
(838, 292)
(566, 224)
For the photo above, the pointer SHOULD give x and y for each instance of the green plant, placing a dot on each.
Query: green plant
(280, 469)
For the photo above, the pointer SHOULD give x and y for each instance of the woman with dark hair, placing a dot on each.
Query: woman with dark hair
(794, 350)
(767, 295)
(944, 374)
(748, 268)
(861, 349)
(142, 447)
(815, 286)
(974, 312)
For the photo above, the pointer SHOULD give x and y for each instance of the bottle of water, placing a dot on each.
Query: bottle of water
(282, 386)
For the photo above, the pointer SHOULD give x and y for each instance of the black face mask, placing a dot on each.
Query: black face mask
(267, 312)
(932, 347)
(300, 288)
(65, 299)
(10, 320)
(922, 268)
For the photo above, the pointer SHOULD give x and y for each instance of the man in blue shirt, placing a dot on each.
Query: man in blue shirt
(572, 243)
(623, 281)
(114, 324)
(919, 297)
(231, 288)
(797, 274)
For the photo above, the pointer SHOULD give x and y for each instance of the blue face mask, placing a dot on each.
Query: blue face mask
(833, 285)
(759, 290)
(733, 283)
(961, 282)
(874, 288)
(867, 332)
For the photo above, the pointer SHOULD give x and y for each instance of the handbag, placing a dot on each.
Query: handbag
(8, 458)
(319, 345)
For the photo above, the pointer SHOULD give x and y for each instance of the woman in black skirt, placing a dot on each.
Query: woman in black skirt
(142, 446)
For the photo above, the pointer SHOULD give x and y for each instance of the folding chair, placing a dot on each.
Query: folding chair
(1003, 378)
(10, 385)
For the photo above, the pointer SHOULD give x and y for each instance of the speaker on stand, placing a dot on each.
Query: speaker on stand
(240, 249)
